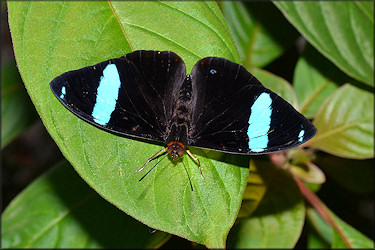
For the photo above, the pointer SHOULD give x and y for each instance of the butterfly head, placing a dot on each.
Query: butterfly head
(175, 149)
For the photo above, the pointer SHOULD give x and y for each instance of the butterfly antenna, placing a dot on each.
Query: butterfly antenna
(191, 185)
(152, 168)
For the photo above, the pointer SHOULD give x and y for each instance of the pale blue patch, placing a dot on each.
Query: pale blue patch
(107, 95)
(63, 92)
(300, 135)
(259, 123)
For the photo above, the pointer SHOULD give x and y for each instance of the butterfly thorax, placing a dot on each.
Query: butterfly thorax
(180, 122)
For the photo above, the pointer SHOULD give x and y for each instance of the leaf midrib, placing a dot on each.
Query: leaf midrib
(121, 25)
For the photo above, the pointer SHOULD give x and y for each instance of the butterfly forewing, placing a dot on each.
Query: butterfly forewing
(124, 95)
(233, 112)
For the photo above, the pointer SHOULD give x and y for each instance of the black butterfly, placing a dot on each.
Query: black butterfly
(219, 106)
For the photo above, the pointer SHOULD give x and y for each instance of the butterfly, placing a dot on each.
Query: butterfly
(219, 106)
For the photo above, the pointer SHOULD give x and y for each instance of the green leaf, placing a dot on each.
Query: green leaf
(261, 33)
(17, 111)
(53, 37)
(59, 210)
(300, 164)
(278, 220)
(275, 83)
(330, 235)
(315, 79)
(322, 228)
(356, 239)
(343, 31)
(314, 241)
(255, 189)
(345, 124)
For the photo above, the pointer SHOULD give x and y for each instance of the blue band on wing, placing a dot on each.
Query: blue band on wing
(300, 135)
(107, 95)
(259, 123)
(63, 92)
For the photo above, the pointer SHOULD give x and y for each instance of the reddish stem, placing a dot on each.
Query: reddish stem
(279, 159)
(320, 208)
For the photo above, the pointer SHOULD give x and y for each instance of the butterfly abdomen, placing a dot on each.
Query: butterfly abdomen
(181, 116)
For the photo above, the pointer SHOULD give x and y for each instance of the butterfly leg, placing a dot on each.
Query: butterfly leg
(197, 160)
(152, 158)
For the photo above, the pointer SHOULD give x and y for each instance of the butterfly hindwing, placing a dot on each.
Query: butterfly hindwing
(234, 113)
(127, 95)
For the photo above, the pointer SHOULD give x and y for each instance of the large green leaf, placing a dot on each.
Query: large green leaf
(343, 31)
(345, 124)
(278, 220)
(59, 210)
(53, 37)
(261, 33)
(17, 111)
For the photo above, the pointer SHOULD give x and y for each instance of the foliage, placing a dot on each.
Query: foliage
(50, 38)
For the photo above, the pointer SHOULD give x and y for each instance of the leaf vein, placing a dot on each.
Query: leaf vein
(314, 95)
(335, 130)
(121, 25)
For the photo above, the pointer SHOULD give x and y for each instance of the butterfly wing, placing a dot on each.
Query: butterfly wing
(130, 95)
(233, 112)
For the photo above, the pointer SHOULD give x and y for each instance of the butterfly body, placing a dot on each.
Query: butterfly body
(181, 116)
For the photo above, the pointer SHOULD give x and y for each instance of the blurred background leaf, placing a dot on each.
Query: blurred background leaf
(331, 236)
(277, 84)
(356, 238)
(17, 111)
(301, 165)
(278, 220)
(260, 31)
(59, 210)
(343, 31)
(315, 79)
(255, 189)
(345, 124)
